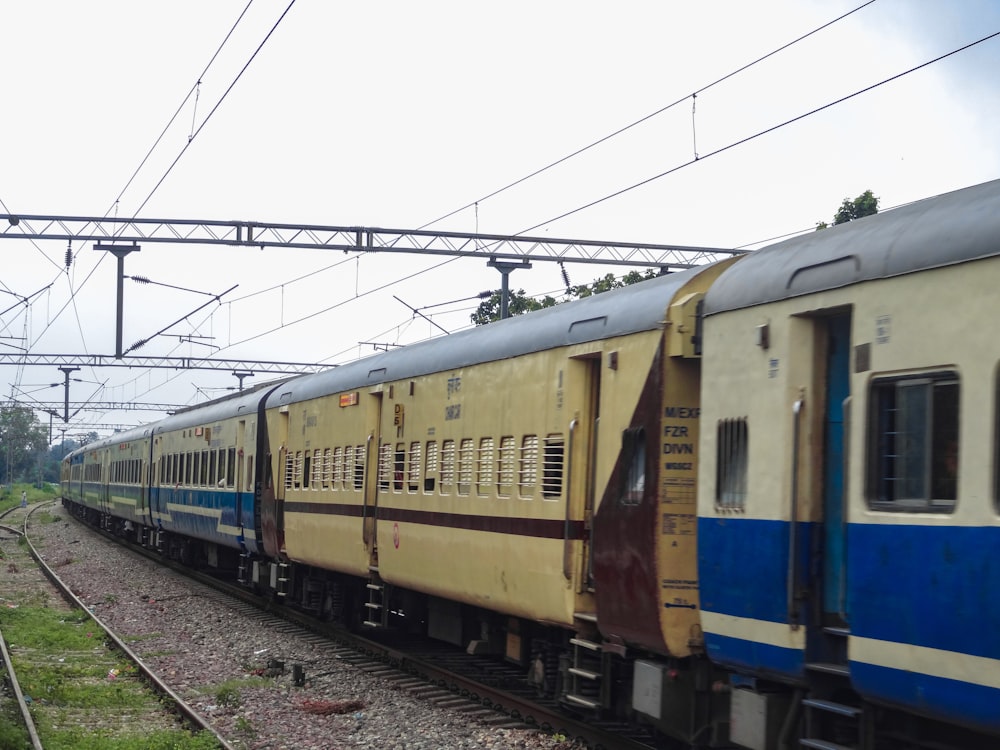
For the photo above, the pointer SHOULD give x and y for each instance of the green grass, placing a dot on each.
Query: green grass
(12, 732)
(42, 628)
(10, 495)
(159, 740)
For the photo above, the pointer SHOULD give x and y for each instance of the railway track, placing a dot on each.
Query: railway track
(72, 681)
(485, 691)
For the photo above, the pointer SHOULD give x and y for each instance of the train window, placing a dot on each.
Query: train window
(213, 468)
(359, 467)
(289, 469)
(430, 466)
(527, 470)
(348, 467)
(505, 473)
(413, 476)
(732, 444)
(398, 467)
(188, 467)
(384, 466)
(634, 459)
(249, 474)
(231, 467)
(204, 468)
(485, 479)
(447, 467)
(307, 470)
(339, 480)
(465, 464)
(327, 468)
(552, 470)
(913, 443)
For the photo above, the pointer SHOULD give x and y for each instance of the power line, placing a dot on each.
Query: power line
(749, 138)
(651, 115)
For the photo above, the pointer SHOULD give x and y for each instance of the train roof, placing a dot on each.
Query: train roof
(637, 307)
(951, 228)
(245, 402)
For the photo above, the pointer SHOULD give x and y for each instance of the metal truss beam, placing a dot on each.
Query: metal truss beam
(257, 234)
(237, 366)
(76, 406)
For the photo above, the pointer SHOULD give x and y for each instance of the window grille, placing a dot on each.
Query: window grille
(447, 467)
(327, 469)
(527, 471)
(338, 468)
(505, 474)
(485, 473)
(289, 469)
(732, 439)
(398, 467)
(914, 446)
(360, 455)
(552, 473)
(465, 466)
(346, 464)
(431, 466)
(384, 466)
(413, 475)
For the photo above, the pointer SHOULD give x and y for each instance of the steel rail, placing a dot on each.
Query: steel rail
(185, 709)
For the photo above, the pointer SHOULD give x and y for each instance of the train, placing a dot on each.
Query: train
(749, 504)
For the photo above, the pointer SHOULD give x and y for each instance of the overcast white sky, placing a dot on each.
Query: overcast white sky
(394, 113)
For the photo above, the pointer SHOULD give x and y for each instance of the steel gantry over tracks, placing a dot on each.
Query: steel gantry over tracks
(261, 235)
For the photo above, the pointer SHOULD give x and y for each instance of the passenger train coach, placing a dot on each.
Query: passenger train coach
(752, 503)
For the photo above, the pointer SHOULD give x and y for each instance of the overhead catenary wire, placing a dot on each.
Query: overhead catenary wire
(758, 134)
(643, 119)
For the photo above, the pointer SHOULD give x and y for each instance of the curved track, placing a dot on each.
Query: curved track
(156, 712)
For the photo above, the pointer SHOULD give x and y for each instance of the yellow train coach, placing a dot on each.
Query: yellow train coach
(462, 479)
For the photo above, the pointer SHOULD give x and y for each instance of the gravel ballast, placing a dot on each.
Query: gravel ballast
(224, 661)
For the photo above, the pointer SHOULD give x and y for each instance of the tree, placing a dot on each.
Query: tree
(23, 443)
(518, 304)
(489, 310)
(865, 204)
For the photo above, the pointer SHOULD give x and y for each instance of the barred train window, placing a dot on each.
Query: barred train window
(913, 448)
(338, 467)
(384, 466)
(731, 464)
(484, 467)
(431, 466)
(505, 474)
(447, 467)
(359, 467)
(413, 472)
(527, 472)
(634, 459)
(552, 467)
(465, 458)
(398, 467)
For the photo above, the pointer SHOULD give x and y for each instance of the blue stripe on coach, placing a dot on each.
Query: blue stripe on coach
(951, 700)
(932, 586)
(753, 657)
(743, 566)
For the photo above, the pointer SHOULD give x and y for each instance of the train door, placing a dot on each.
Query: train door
(837, 398)
(369, 510)
(591, 417)
(236, 479)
